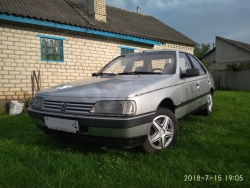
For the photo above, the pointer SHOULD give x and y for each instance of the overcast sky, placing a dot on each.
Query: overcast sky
(200, 20)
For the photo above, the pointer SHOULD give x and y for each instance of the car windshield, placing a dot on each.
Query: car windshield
(161, 62)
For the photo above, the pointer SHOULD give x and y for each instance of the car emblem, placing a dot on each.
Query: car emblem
(63, 106)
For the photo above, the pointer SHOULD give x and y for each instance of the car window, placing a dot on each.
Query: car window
(184, 63)
(162, 62)
(137, 64)
(197, 65)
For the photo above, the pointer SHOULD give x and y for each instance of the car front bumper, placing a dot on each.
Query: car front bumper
(117, 131)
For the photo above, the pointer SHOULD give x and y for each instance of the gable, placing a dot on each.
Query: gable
(228, 52)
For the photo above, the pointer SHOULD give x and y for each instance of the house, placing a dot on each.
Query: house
(71, 39)
(226, 53)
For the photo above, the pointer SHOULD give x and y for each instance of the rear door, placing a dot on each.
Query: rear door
(203, 82)
(189, 88)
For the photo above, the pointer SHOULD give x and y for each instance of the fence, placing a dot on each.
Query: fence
(236, 80)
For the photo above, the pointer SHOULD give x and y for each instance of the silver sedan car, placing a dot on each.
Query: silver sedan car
(136, 99)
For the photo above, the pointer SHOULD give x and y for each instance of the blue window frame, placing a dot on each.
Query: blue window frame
(126, 50)
(51, 48)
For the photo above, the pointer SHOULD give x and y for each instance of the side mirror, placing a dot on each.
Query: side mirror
(191, 73)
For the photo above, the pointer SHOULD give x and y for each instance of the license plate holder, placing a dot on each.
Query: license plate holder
(66, 125)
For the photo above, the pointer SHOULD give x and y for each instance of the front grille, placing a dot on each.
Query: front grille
(71, 107)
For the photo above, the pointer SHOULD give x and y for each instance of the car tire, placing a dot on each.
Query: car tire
(163, 132)
(209, 106)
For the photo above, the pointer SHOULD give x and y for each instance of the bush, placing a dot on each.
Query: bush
(226, 88)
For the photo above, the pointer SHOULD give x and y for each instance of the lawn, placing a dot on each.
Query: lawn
(217, 145)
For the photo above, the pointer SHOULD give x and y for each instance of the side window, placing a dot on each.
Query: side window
(197, 65)
(184, 63)
(51, 48)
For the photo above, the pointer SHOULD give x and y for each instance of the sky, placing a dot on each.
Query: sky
(200, 20)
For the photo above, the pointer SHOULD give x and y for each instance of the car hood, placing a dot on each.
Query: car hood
(100, 87)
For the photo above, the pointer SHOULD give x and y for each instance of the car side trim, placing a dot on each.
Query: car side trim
(189, 101)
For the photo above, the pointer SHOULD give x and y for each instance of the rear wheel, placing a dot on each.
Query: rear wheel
(163, 132)
(209, 107)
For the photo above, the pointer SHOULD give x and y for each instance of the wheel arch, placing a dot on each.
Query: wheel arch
(212, 91)
(167, 103)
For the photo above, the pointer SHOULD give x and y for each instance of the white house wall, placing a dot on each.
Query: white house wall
(229, 53)
(83, 55)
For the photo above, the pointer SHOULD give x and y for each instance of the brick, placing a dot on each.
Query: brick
(20, 52)
(8, 51)
(3, 72)
(3, 46)
(61, 70)
(7, 34)
(47, 80)
(14, 56)
(9, 76)
(15, 89)
(47, 73)
(9, 85)
(14, 72)
(71, 77)
(19, 61)
(30, 61)
(35, 57)
(25, 57)
(21, 85)
(2, 97)
(26, 49)
(20, 68)
(19, 35)
(9, 93)
(32, 36)
(15, 97)
(4, 89)
(13, 39)
(3, 38)
(28, 73)
(21, 76)
(19, 92)
(31, 53)
(31, 45)
(35, 41)
(4, 81)
(19, 44)
(16, 81)
(27, 41)
(8, 68)
(52, 77)
(43, 69)
(3, 55)
(13, 48)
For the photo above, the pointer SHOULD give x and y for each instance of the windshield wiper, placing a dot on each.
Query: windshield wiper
(142, 72)
(102, 73)
(138, 72)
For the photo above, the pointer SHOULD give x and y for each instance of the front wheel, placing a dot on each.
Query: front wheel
(163, 132)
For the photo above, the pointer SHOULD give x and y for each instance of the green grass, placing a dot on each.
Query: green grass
(214, 145)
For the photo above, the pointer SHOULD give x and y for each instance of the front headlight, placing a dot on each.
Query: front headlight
(114, 107)
(38, 102)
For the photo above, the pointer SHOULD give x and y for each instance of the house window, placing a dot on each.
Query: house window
(126, 50)
(51, 48)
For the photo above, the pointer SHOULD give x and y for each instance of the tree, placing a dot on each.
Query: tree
(201, 50)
